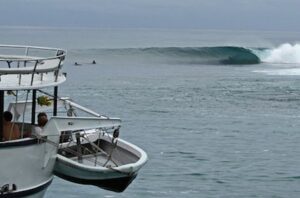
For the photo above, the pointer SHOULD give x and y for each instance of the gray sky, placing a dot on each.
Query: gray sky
(282, 15)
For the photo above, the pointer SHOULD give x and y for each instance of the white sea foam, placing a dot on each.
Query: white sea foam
(281, 72)
(285, 53)
(285, 56)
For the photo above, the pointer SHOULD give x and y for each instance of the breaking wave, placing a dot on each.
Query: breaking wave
(222, 55)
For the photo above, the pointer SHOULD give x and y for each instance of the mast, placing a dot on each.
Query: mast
(33, 108)
(55, 101)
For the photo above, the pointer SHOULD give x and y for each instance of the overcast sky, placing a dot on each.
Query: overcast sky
(282, 15)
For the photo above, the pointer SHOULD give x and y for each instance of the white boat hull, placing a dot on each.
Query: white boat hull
(26, 164)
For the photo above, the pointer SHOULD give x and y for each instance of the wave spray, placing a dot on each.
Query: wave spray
(285, 53)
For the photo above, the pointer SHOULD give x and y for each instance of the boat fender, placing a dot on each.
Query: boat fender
(60, 53)
(116, 133)
(5, 189)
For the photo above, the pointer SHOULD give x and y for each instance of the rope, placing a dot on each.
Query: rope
(112, 150)
(102, 151)
(66, 100)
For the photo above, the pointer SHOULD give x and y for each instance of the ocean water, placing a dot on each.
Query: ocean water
(218, 112)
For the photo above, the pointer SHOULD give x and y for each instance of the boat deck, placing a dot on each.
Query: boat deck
(29, 67)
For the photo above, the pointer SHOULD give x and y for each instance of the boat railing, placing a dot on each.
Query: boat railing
(61, 123)
(18, 108)
(29, 61)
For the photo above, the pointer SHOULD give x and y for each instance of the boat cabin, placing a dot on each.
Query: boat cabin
(23, 71)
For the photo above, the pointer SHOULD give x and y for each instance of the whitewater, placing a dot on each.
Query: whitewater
(213, 55)
(285, 53)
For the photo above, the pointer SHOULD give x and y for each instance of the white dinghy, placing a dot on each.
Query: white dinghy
(97, 158)
(89, 153)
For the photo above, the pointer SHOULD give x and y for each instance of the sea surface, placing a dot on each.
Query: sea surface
(218, 112)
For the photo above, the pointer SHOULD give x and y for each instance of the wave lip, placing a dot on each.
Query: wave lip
(228, 55)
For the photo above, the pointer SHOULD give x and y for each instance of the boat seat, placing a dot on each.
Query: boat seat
(28, 129)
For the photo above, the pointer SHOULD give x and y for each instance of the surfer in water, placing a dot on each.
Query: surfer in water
(77, 64)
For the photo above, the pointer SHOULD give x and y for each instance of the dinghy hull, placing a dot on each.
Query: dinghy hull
(114, 172)
(115, 184)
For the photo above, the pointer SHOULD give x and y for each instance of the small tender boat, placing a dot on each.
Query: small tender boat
(92, 154)
(100, 159)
